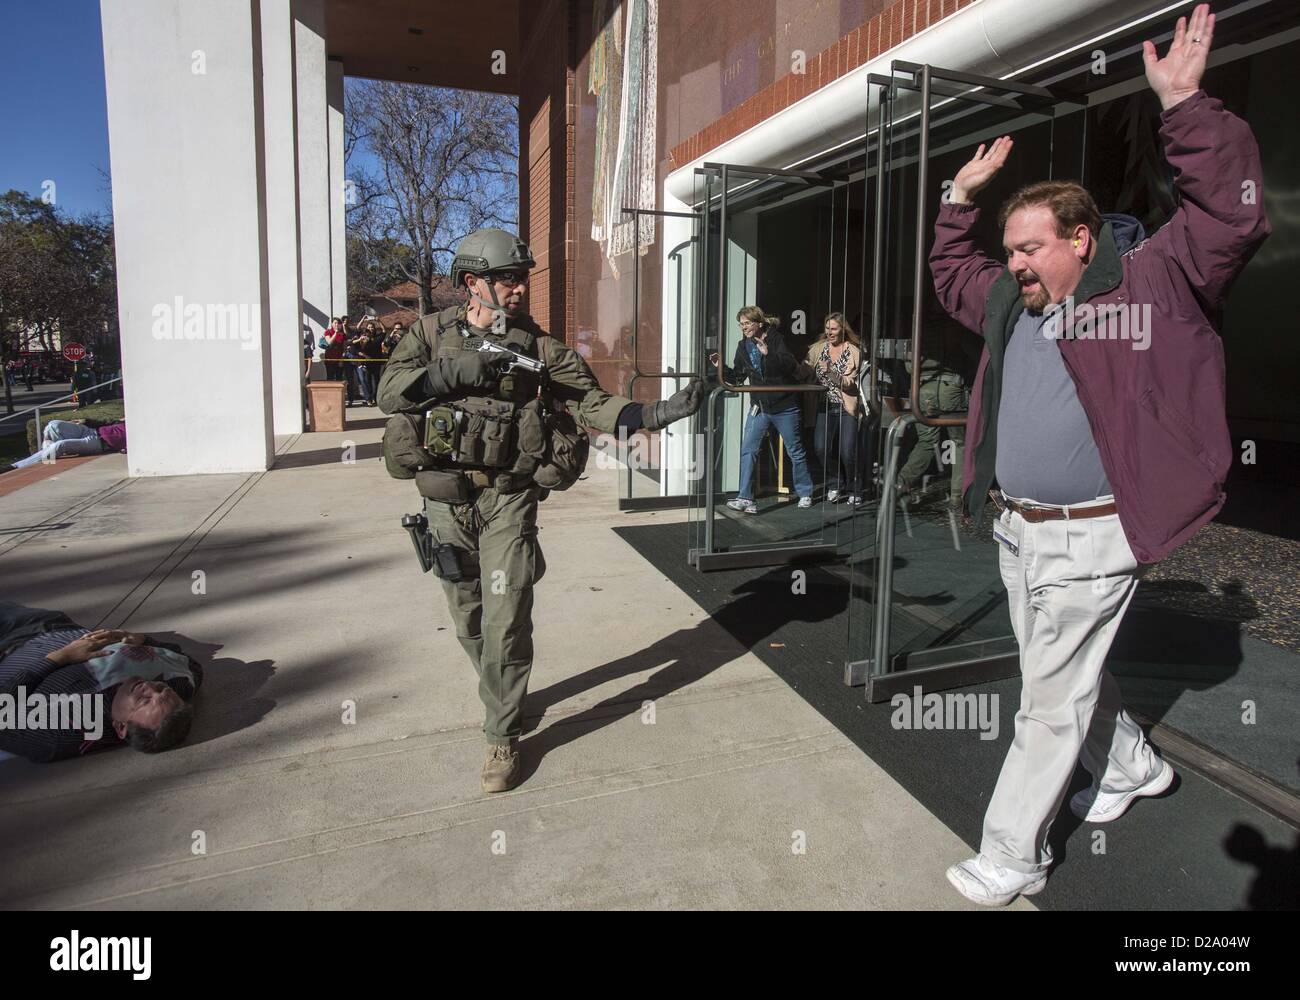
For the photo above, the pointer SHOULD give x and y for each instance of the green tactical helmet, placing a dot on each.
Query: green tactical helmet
(489, 250)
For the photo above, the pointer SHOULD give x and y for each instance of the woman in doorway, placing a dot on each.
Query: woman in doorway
(835, 360)
(762, 358)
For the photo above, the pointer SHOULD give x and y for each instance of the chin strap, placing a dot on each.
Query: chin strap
(495, 305)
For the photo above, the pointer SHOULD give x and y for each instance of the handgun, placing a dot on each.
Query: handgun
(517, 360)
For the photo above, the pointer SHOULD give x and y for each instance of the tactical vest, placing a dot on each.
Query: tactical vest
(512, 439)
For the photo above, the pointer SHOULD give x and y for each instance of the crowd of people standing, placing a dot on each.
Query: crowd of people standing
(355, 355)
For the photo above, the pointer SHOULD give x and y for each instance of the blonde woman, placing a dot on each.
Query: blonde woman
(835, 359)
(763, 358)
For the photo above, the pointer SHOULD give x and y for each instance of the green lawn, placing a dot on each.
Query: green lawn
(17, 443)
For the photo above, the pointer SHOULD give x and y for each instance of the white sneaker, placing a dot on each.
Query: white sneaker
(856, 501)
(1095, 806)
(832, 496)
(805, 501)
(744, 506)
(984, 881)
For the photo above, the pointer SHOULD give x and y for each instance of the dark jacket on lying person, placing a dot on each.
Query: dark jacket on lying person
(157, 690)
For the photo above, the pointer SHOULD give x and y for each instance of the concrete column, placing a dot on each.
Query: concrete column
(337, 167)
(313, 165)
(184, 88)
(282, 217)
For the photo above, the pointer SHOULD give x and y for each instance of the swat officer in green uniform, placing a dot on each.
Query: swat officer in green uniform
(479, 392)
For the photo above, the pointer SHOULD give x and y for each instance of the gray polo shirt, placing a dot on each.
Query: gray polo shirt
(1046, 451)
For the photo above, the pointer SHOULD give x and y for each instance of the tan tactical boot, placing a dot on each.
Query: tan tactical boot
(501, 769)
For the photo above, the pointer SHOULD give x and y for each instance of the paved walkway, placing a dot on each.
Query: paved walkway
(302, 594)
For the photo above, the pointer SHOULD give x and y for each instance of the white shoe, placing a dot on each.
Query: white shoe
(1094, 806)
(832, 496)
(856, 501)
(744, 506)
(984, 881)
(805, 501)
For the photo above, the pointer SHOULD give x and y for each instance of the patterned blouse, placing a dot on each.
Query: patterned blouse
(837, 370)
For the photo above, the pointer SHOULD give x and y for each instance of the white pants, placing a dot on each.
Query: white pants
(1068, 589)
(63, 438)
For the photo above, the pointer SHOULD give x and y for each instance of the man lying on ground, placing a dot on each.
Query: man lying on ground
(64, 438)
(66, 690)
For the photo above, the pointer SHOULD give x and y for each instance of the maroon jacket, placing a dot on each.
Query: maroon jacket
(1157, 415)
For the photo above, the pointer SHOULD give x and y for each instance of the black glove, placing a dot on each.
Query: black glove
(466, 370)
(680, 404)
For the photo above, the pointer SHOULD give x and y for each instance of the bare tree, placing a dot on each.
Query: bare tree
(428, 166)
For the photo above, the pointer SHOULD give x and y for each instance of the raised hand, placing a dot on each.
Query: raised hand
(980, 169)
(1178, 75)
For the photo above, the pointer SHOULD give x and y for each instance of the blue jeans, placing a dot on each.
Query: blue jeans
(787, 424)
(63, 438)
(839, 447)
(366, 376)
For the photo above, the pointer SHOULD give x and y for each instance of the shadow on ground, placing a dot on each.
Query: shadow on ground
(760, 609)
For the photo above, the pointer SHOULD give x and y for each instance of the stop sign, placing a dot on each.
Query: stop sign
(74, 352)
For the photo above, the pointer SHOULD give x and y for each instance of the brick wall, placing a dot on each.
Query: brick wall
(890, 27)
(546, 127)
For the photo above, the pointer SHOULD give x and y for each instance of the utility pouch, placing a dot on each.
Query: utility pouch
(566, 452)
(442, 429)
(443, 485)
(405, 453)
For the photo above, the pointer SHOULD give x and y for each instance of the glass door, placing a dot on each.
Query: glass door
(928, 606)
(773, 264)
(662, 346)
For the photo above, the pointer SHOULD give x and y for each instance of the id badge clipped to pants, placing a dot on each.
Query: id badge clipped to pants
(1007, 536)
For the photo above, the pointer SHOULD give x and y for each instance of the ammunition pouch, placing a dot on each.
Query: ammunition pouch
(472, 431)
(448, 563)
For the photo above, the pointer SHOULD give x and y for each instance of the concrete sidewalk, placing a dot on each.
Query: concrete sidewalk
(300, 592)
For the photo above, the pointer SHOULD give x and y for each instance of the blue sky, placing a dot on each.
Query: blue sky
(53, 115)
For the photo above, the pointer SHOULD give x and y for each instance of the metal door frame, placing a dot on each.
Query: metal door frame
(707, 558)
(940, 667)
(664, 501)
